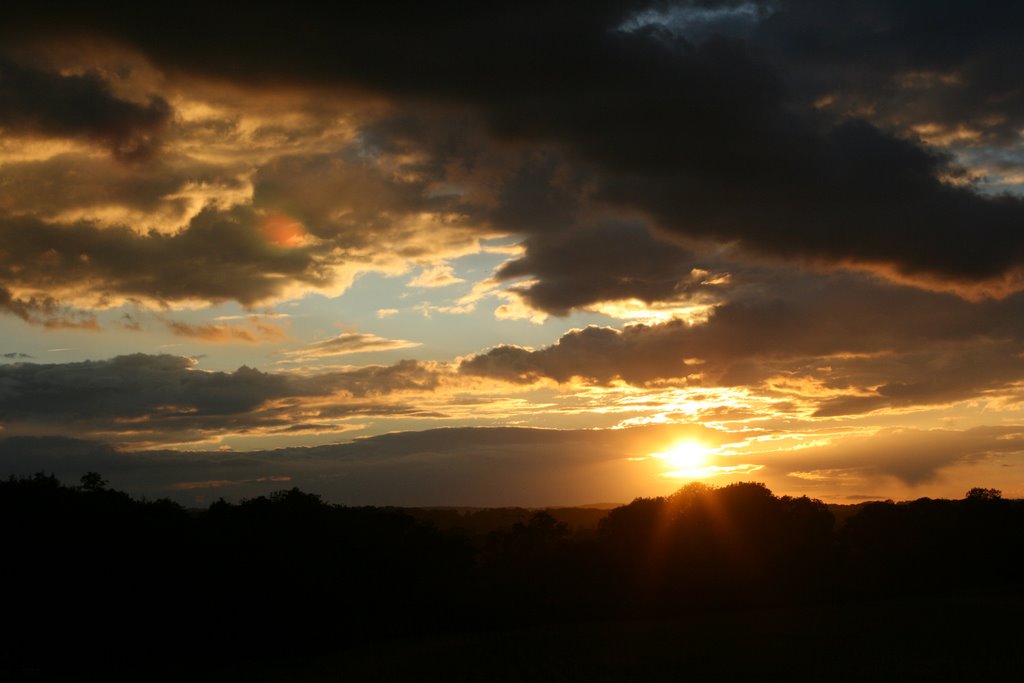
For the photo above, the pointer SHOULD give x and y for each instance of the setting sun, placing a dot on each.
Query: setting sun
(693, 460)
(687, 454)
(687, 459)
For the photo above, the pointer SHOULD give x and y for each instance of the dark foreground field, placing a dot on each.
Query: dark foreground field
(731, 583)
(967, 638)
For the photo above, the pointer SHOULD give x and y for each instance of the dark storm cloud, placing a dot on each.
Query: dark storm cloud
(852, 195)
(419, 48)
(700, 117)
(894, 346)
(575, 254)
(140, 396)
(603, 263)
(44, 103)
(911, 61)
(540, 193)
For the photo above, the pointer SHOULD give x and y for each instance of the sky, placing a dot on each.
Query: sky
(514, 253)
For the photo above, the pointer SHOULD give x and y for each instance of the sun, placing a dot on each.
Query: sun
(686, 455)
(687, 459)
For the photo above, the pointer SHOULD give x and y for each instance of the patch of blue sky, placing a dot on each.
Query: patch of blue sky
(695, 22)
(419, 316)
(998, 170)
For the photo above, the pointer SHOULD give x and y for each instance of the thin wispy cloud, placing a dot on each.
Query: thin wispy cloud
(347, 343)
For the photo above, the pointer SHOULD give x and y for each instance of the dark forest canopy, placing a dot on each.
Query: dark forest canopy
(241, 577)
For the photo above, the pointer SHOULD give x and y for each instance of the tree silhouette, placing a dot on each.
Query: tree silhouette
(92, 481)
(979, 493)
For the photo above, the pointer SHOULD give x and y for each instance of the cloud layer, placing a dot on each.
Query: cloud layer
(715, 121)
(877, 346)
(158, 399)
(812, 210)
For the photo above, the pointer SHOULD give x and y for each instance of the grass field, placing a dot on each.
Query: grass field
(966, 638)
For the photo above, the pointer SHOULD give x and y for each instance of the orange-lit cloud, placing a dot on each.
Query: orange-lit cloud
(282, 230)
(254, 330)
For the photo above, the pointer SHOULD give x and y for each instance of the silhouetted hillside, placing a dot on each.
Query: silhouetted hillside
(100, 583)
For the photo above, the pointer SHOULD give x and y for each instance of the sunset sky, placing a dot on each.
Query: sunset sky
(523, 253)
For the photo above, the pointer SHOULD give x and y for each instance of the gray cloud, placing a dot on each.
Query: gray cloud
(574, 268)
(131, 386)
(895, 346)
(166, 398)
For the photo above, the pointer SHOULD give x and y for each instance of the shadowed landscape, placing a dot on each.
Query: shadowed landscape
(707, 582)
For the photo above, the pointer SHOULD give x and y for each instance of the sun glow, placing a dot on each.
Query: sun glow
(687, 459)
(694, 460)
(686, 454)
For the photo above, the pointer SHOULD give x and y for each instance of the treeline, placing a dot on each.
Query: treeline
(97, 580)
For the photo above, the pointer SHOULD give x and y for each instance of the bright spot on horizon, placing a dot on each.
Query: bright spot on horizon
(687, 459)
(692, 460)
